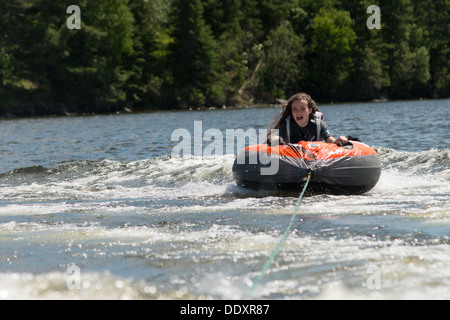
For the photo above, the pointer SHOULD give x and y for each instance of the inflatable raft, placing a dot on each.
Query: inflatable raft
(352, 169)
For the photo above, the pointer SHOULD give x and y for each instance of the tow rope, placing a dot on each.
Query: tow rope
(282, 240)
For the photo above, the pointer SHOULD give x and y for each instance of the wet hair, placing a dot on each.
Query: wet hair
(287, 109)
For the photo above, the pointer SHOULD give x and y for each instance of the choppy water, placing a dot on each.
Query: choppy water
(96, 208)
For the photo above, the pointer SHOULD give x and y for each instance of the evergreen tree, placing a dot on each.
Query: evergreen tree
(29, 43)
(282, 66)
(225, 18)
(145, 87)
(96, 57)
(274, 12)
(331, 49)
(5, 57)
(193, 59)
(408, 57)
(410, 71)
(434, 18)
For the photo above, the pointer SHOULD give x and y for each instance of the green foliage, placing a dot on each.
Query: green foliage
(331, 50)
(193, 60)
(411, 70)
(163, 54)
(95, 57)
(281, 73)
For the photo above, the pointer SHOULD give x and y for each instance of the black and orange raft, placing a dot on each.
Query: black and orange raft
(352, 169)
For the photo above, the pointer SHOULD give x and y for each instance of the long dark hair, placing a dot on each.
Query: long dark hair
(287, 109)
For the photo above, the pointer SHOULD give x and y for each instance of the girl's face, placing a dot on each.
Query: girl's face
(301, 112)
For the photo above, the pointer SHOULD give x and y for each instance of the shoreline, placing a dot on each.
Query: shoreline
(61, 112)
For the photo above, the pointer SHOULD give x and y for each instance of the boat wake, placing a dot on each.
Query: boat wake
(194, 175)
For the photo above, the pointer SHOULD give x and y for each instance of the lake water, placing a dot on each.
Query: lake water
(97, 208)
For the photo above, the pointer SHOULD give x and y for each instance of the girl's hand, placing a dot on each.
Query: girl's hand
(341, 141)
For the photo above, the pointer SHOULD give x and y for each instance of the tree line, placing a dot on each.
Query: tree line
(167, 54)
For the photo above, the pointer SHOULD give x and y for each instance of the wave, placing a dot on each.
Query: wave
(160, 178)
(434, 161)
(196, 177)
(169, 171)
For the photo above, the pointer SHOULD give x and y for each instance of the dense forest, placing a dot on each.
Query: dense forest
(168, 54)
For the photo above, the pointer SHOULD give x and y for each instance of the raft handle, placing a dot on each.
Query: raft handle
(348, 145)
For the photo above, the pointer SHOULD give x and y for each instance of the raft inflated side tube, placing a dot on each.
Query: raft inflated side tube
(352, 169)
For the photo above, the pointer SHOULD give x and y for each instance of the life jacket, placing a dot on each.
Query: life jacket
(318, 117)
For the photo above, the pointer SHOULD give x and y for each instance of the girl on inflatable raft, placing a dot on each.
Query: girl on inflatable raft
(300, 146)
(301, 120)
